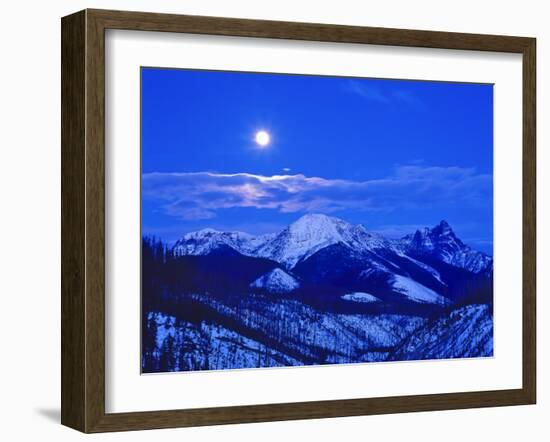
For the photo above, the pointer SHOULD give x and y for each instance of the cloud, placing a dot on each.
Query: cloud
(370, 91)
(199, 195)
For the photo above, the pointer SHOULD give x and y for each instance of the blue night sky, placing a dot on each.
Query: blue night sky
(393, 155)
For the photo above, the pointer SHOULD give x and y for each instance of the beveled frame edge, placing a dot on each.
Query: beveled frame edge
(83, 217)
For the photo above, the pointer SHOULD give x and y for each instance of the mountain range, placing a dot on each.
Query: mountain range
(320, 291)
(318, 253)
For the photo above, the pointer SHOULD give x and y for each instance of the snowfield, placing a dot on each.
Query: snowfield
(417, 292)
(276, 281)
(360, 297)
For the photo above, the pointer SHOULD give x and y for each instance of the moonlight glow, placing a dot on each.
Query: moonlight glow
(262, 138)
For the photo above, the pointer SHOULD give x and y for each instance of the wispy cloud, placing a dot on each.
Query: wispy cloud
(370, 91)
(199, 195)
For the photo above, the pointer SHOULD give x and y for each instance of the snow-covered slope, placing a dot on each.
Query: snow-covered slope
(426, 267)
(416, 292)
(267, 331)
(183, 346)
(276, 281)
(465, 332)
(441, 243)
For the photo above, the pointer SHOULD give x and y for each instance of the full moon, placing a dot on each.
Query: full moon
(262, 138)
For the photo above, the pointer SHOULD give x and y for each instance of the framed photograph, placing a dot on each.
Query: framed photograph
(269, 220)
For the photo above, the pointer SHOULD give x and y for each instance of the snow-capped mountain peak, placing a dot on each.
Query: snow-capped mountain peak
(444, 227)
(314, 232)
(441, 242)
(317, 229)
(318, 219)
(430, 238)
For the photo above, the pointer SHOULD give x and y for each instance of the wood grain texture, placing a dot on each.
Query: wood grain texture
(95, 222)
(529, 221)
(83, 220)
(73, 255)
(145, 21)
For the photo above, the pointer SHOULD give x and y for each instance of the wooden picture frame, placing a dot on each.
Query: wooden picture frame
(83, 220)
